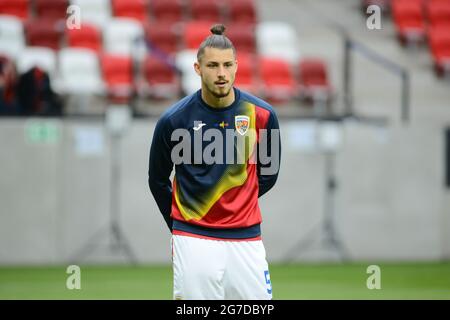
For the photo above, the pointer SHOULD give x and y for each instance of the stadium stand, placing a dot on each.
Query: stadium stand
(12, 38)
(169, 11)
(160, 79)
(117, 71)
(314, 84)
(205, 10)
(137, 9)
(17, 8)
(43, 33)
(87, 36)
(247, 77)
(162, 37)
(149, 46)
(97, 12)
(278, 82)
(278, 40)
(409, 21)
(79, 72)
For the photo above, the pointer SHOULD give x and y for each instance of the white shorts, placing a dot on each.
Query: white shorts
(219, 270)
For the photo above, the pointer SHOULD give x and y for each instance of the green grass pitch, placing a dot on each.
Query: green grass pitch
(299, 281)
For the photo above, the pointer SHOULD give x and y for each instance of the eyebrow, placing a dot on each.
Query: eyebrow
(215, 62)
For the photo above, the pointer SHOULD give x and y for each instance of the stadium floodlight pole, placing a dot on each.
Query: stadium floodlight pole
(117, 120)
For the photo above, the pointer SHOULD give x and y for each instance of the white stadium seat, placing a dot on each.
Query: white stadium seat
(124, 36)
(278, 40)
(12, 38)
(97, 12)
(79, 72)
(190, 81)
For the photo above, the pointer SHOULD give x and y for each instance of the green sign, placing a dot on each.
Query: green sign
(43, 132)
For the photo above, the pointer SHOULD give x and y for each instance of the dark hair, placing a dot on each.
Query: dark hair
(216, 40)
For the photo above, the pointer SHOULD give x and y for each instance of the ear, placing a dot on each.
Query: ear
(197, 68)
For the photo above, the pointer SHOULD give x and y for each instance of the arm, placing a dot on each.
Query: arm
(269, 159)
(160, 167)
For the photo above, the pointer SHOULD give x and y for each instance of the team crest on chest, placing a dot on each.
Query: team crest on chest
(242, 123)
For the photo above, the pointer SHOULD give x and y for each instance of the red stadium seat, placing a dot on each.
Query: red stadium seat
(247, 75)
(243, 37)
(51, 9)
(169, 11)
(162, 37)
(88, 36)
(136, 9)
(409, 20)
(118, 76)
(205, 10)
(18, 8)
(160, 79)
(242, 11)
(195, 33)
(313, 80)
(439, 40)
(43, 33)
(438, 12)
(278, 83)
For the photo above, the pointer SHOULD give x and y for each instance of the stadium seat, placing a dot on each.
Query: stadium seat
(97, 12)
(409, 21)
(278, 83)
(41, 57)
(17, 8)
(162, 37)
(205, 10)
(88, 36)
(184, 61)
(124, 36)
(43, 33)
(243, 37)
(79, 72)
(160, 79)
(117, 71)
(169, 11)
(277, 40)
(136, 9)
(247, 73)
(242, 11)
(195, 32)
(313, 79)
(439, 40)
(51, 9)
(438, 13)
(12, 38)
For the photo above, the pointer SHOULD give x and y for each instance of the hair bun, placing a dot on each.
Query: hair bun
(218, 29)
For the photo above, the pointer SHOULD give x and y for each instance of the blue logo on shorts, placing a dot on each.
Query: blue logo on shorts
(269, 284)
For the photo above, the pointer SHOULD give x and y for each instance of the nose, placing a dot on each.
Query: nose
(221, 72)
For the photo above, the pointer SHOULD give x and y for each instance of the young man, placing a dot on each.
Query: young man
(225, 146)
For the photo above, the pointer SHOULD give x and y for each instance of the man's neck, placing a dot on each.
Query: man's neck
(215, 102)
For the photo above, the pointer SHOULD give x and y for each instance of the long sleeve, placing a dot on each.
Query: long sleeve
(160, 167)
(268, 172)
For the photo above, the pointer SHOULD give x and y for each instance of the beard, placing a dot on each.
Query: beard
(219, 94)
